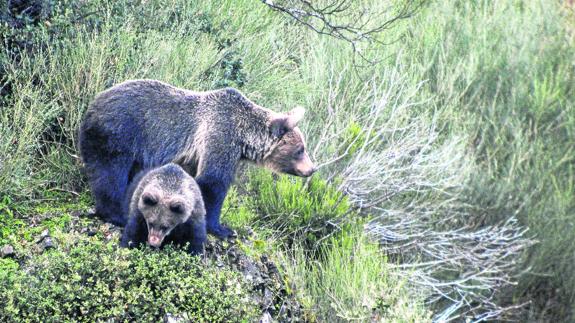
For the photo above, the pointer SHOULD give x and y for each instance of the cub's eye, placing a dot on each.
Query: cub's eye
(300, 151)
(177, 208)
(163, 228)
(149, 200)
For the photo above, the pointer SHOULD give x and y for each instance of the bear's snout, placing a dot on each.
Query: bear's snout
(155, 238)
(309, 172)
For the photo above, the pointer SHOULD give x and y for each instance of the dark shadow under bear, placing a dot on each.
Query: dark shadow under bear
(164, 205)
(142, 124)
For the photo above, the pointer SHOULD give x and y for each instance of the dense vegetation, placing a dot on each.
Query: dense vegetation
(88, 282)
(465, 123)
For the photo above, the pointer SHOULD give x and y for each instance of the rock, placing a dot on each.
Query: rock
(7, 251)
(90, 232)
(45, 240)
(47, 243)
(268, 298)
(271, 267)
(43, 235)
(170, 318)
(266, 318)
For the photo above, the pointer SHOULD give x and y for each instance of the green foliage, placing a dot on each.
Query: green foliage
(9, 270)
(8, 223)
(235, 212)
(294, 208)
(354, 138)
(502, 72)
(56, 213)
(95, 281)
(496, 73)
(351, 281)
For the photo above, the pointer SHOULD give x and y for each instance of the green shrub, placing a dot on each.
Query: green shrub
(296, 208)
(235, 212)
(96, 282)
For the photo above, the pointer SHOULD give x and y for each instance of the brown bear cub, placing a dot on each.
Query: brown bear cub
(164, 205)
(143, 124)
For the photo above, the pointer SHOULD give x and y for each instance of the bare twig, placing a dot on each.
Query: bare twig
(354, 22)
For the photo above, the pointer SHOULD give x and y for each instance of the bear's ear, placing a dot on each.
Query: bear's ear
(294, 117)
(284, 122)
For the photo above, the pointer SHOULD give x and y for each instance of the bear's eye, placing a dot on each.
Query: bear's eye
(300, 151)
(177, 208)
(163, 228)
(149, 200)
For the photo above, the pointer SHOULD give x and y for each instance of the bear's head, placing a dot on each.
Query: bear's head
(164, 210)
(289, 154)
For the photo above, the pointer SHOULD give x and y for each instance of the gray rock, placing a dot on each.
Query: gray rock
(47, 243)
(266, 318)
(7, 251)
(170, 318)
(268, 298)
(43, 235)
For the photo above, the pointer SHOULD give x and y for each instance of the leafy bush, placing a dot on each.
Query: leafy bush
(97, 282)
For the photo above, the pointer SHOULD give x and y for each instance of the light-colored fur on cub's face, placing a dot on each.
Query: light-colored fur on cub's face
(163, 212)
(289, 154)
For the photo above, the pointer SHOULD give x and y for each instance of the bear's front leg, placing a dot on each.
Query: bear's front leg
(214, 192)
(198, 238)
(135, 233)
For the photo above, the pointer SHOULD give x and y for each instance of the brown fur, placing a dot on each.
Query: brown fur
(142, 124)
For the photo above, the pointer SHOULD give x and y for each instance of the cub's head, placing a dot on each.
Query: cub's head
(289, 154)
(167, 201)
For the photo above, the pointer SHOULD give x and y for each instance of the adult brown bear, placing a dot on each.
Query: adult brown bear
(142, 124)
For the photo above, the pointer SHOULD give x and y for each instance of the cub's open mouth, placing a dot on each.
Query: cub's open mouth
(155, 239)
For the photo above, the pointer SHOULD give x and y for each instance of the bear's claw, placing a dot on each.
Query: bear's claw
(222, 232)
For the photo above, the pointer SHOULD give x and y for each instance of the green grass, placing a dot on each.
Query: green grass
(22, 223)
(328, 262)
(502, 73)
(494, 84)
(351, 281)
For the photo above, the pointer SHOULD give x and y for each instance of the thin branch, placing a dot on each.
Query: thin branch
(347, 20)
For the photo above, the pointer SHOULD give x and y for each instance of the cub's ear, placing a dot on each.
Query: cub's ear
(284, 122)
